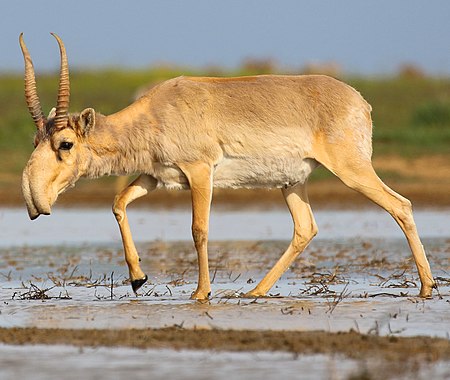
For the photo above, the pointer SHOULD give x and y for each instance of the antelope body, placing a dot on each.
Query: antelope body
(199, 133)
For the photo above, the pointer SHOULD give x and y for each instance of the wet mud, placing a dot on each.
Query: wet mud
(350, 344)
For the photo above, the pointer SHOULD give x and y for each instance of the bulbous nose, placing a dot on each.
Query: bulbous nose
(36, 199)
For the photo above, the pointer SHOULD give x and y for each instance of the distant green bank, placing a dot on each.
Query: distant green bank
(411, 114)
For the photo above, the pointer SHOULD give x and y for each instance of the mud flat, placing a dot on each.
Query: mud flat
(347, 308)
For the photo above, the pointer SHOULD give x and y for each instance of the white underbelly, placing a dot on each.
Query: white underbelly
(244, 173)
(170, 177)
(262, 173)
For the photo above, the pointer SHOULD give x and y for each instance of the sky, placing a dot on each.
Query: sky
(367, 37)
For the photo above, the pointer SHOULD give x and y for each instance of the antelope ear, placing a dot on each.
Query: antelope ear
(87, 120)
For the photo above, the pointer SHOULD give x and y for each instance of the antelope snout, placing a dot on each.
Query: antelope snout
(36, 199)
(35, 210)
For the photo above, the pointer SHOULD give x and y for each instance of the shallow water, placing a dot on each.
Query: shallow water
(76, 226)
(357, 274)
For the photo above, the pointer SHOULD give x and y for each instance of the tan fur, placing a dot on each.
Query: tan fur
(197, 133)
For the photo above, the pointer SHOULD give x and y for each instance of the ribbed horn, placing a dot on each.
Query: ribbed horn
(31, 96)
(62, 105)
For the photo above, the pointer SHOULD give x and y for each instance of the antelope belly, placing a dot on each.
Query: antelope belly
(244, 173)
(262, 172)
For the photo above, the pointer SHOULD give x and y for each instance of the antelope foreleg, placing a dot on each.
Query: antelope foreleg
(140, 187)
(200, 181)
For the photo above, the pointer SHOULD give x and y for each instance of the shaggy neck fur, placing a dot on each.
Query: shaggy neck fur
(120, 145)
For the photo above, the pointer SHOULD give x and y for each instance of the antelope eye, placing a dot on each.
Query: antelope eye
(65, 145)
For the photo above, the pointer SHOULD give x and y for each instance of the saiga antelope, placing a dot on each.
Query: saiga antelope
(196, 133)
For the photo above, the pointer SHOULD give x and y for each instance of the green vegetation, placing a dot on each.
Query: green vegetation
(411, 114)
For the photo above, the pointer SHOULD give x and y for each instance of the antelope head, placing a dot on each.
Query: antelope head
(61, 154)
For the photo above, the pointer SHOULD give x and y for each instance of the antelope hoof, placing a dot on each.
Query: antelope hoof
(427, 291)
(253, 294)
(199, 295)
(136, 284)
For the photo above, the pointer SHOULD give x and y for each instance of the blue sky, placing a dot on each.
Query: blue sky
(365, 37)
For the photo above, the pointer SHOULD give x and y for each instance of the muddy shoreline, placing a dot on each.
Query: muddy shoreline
(351, 344)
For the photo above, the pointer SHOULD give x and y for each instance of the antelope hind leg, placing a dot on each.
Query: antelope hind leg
(363, 179)
(305, 229)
